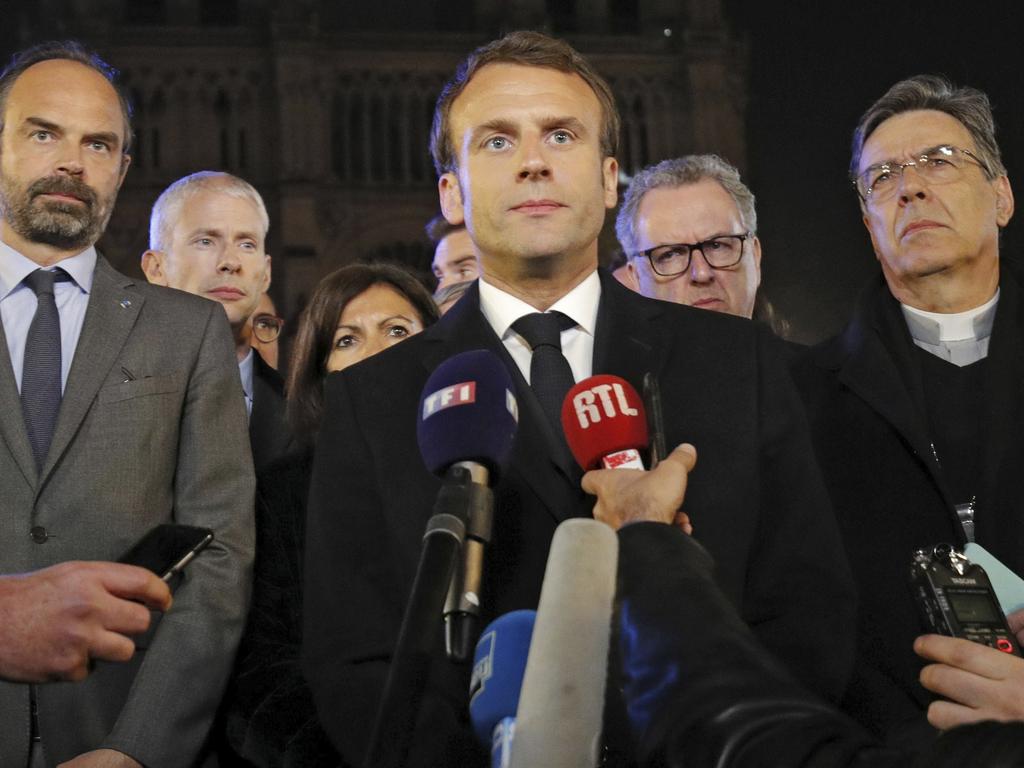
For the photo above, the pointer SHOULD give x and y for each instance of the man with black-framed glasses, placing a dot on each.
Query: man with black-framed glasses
(689, 228)
(915, 408)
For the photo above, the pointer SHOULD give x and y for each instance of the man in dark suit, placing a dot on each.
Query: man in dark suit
(524, 139)
(207, 236)
(119, 411)
(916, 406)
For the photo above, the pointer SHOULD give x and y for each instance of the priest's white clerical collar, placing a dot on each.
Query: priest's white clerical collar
(937, 327)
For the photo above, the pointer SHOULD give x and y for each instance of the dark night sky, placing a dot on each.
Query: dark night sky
(814, 68)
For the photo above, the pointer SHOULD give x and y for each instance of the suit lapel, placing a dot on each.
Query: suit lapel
(112, 312)
(628, 341)
(540, 461)
(12, 423)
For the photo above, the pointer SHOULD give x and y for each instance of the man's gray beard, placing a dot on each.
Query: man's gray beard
(65, 226)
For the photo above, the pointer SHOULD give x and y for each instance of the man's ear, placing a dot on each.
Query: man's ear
(757, 258)
(610, 175)
(450, 194)
(153, 267)
(126, 160)
(1004, 201)
(266, 276)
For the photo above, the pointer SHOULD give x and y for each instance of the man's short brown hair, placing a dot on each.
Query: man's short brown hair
(529, 49)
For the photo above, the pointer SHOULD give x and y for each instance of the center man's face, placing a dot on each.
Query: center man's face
(532, 182)
(692, 214)
(217, 251)
(61, 160)
(926, 229)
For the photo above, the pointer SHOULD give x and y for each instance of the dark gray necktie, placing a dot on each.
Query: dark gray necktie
(40, 372)
(550, 374)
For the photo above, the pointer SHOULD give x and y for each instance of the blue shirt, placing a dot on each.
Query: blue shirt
(245, 370)
(18, 304)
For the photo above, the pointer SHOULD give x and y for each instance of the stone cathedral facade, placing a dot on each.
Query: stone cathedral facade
(325, 105)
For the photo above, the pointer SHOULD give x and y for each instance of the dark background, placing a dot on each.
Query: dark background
(813, 68)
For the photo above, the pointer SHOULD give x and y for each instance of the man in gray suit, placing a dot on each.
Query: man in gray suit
(120, 409)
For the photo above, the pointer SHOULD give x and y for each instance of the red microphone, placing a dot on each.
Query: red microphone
(604, 423)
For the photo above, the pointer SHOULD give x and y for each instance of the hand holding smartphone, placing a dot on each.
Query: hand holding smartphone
(168, 548)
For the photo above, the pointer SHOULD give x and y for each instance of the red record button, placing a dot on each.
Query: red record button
(1004, 645)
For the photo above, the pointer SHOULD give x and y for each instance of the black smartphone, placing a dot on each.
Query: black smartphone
(168, 548)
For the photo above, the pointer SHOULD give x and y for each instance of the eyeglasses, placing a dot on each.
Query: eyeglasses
(939, 165)
(719, 252)
(266, 328)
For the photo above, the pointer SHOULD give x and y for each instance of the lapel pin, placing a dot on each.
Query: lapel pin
(125, 303)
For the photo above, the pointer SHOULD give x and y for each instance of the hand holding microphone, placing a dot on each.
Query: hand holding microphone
(606, 428)
(654, 496)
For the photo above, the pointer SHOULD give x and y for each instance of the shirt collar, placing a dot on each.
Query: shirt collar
(937, 327)
(501, 308)
(14, 268)
(245, 371)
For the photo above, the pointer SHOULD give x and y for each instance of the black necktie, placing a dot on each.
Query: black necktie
(550, 374)
(40, 372)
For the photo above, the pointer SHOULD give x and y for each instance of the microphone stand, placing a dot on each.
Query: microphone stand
(410, 664)
(462, 608)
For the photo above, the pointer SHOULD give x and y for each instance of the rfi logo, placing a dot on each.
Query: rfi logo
(456, 394)
(586, 404)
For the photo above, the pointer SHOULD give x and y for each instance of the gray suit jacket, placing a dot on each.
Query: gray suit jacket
(128, 453)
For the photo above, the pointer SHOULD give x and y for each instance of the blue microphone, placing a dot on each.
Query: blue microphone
(467, 424)
(468, 414)
(498, 669)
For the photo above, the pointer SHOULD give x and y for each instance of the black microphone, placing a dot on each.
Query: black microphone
(467, 424)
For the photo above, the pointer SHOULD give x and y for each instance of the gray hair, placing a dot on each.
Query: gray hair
(680, 172)
(167, 207)
(969, 106)
(65, 50)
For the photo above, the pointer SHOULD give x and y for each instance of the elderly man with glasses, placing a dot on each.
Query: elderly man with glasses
(916, 406)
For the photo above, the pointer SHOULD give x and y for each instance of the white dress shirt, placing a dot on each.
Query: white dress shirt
(501, 309)
(18, 304)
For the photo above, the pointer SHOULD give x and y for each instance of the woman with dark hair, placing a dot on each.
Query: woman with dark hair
(355, 312)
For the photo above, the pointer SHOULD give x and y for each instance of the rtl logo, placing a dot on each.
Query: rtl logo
(609, 399)
(456, 394)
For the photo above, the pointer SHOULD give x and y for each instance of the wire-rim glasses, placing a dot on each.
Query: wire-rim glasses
(939, 165)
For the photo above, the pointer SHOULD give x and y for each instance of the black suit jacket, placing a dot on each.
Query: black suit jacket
(862, 391)
(269, 432)
(755, 500)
